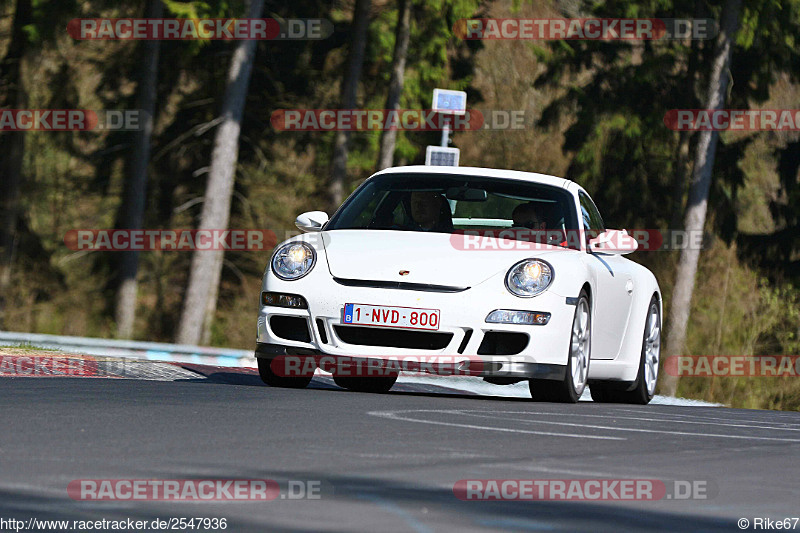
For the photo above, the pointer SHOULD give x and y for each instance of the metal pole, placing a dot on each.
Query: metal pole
(445, 131)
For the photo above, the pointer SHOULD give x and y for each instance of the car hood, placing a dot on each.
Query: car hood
(429, 258)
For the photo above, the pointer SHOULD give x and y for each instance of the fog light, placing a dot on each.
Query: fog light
(291, 301)
(530, 318)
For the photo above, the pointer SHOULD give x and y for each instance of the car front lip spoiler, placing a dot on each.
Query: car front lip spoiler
(491, 368)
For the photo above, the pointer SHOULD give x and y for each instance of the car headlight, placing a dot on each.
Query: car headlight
(293, 260)
(529, 278)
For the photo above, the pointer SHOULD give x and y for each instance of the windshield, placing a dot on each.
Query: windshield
(454, 203)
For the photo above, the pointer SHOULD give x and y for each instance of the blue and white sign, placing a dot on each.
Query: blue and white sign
(450, 102)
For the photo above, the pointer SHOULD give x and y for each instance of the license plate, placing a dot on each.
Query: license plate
(393, 317)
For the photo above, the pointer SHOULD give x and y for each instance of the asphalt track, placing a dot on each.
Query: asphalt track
(383, 462)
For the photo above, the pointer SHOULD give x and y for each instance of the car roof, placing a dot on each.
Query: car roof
(532, 177)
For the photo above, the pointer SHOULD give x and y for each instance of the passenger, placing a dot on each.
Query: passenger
(527, 216)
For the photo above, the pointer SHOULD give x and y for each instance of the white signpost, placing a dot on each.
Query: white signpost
(447, 103)
(442, 156)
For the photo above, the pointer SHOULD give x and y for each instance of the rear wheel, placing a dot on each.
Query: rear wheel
(365, 383)
(644, 388)
(272, 379)
(569, 389)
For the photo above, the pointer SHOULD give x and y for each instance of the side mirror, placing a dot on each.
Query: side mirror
(311, 221)
(613, 241)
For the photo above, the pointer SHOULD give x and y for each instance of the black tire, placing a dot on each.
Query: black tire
(365, 383)
(563, 391)
(635, 393)
(608, 391)
(272, 379)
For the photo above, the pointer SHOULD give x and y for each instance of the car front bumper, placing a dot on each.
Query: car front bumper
(543, 354)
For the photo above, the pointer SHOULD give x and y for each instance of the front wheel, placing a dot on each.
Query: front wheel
(569, 389)
(644, 388)
(272, 379)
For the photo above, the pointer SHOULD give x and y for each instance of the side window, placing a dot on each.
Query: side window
(592, 221)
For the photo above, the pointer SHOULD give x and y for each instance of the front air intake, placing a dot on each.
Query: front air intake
(394, 338)
(293, 328)
(502, 343)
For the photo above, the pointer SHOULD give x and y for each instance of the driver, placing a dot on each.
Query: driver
(428, 211)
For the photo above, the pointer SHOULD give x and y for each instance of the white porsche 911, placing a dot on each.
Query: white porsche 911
(425, 261)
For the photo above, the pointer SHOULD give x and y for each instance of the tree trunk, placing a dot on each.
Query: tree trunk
(133, 200)
(355, 60)
(680, 176)
(683, 167)
(201, 294)
(12, 145)
(402, 33)
(697, 203)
